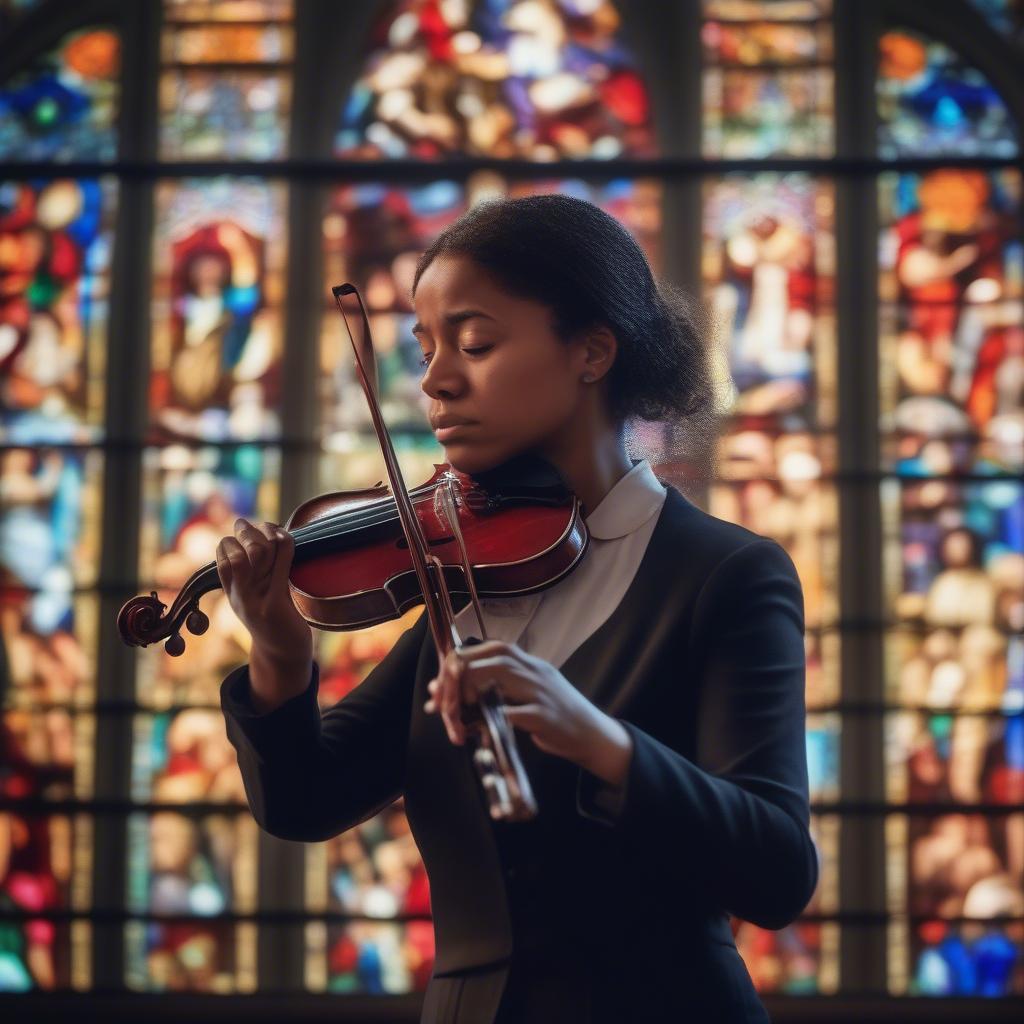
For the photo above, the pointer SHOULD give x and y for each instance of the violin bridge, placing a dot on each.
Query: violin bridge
(446, 508)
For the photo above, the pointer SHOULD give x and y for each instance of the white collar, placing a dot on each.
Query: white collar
(628, 505)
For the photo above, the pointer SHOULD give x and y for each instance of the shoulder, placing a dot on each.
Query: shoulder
(706, 541)
(720, 561)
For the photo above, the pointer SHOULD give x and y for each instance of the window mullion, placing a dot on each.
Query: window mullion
(862, 838)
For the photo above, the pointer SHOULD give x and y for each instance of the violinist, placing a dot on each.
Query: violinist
(656, 691)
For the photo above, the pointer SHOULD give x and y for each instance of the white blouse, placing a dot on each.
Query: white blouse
(553, 623)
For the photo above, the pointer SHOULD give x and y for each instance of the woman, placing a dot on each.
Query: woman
(658, 690)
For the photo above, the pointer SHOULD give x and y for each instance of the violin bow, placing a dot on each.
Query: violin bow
(495, 755)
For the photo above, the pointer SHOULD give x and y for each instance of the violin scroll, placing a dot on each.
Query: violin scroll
(142, 620)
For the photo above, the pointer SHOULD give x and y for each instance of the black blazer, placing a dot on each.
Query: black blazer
(703, 662)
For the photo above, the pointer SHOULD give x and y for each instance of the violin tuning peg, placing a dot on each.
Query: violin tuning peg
(197, 622)
(175, 645)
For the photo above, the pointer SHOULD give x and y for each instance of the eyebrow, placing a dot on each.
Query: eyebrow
(454, 318)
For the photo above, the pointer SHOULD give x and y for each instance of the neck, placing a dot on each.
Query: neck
(590, 466)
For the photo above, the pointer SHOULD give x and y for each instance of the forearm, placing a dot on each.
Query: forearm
(309, 775)
(741, 788)
(754, 856)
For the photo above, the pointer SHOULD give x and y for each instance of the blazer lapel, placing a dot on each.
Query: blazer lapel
(609, 666)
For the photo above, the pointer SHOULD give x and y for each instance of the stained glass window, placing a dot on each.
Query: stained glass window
(225, 88)
(65, 107)
(55, 254)
(219, 255)
(55, 237)
(181, 863)
(191, 869)
(49, 539)
(947, 867)
(502, 78)
(191, 498)
(49, 526)
(768, 268)
(371, 873)
(767, 79)
(505, 79)
(768, 271)
(44, 875)
(952, 443)
(930, 101)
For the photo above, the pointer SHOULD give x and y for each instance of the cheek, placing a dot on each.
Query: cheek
(533, 388)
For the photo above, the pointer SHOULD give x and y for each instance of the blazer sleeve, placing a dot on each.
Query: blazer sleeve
(734, 820)
(310, 775)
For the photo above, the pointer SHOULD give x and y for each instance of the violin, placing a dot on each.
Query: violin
(366, 556)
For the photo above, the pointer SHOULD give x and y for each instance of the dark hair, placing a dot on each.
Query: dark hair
(584, 265)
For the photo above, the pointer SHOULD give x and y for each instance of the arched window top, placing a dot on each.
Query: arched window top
(1005, 16)
(12, 10)
(65, 106)
(504, 78)
(932, 103)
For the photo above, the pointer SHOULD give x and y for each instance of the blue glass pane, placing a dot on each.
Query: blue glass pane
(931, 102)
(1005, 16)
(65, 107)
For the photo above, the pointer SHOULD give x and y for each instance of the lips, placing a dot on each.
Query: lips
(443, 433)
(449, 420)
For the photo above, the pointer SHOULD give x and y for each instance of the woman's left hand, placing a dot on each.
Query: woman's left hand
(538, 698)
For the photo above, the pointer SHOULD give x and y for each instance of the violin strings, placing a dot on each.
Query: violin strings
(326, 527)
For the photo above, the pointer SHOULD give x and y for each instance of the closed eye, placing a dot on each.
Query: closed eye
(425, 360)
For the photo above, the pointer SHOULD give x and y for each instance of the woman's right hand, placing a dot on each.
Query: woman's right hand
(253, 567)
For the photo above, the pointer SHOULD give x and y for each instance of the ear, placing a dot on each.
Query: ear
(598, 347)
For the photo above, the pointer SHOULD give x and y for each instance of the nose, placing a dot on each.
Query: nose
(443, 377)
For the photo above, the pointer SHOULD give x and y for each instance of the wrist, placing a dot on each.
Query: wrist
(274, 678)
(609, 751)
(282, 658)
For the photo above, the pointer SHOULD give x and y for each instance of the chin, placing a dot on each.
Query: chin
(472, 459)
(469, 459)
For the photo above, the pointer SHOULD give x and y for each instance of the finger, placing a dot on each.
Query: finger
(256, 546)
(503, 672)
(430, 705)
(490, 649)
(224, 567)
(238, 562)
(451, 700)
(284, 555)
(526, 716)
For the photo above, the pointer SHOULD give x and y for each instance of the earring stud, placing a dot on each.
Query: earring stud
(587, 378)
